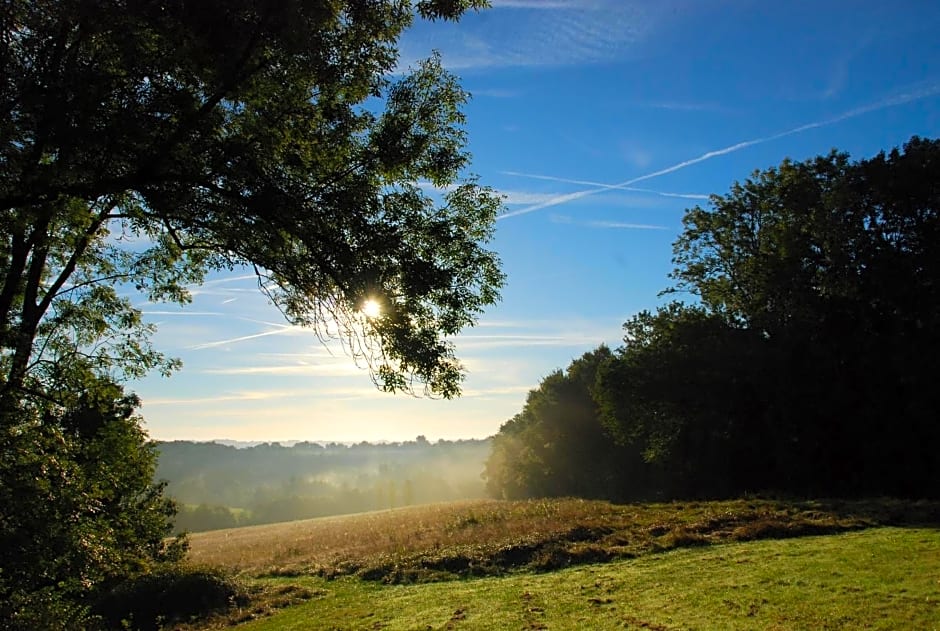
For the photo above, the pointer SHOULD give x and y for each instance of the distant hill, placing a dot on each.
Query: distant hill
(223, 485)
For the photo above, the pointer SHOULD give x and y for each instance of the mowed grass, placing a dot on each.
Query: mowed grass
(560, 564)
(885, 578)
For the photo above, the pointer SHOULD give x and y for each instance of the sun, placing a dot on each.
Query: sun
(371, 308)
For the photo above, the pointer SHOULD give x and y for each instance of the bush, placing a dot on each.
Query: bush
(78, 507)
(169, 595)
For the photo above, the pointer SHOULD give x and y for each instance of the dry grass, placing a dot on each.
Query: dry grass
(331, 541)
(493, 537)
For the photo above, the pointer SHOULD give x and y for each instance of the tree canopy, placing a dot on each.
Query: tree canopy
(144, 144)
(805, 363)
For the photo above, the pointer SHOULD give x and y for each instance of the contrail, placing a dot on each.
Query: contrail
(899, 99)
(552, 178)
(204, 345)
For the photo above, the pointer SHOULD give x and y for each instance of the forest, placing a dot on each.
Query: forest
(803, 361)
(221, 486)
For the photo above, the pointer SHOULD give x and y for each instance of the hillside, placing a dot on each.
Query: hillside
(755, 564)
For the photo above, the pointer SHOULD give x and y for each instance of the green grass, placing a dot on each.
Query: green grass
(881, 578)
(568, 563)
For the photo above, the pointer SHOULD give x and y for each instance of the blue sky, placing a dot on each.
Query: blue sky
(601, 121)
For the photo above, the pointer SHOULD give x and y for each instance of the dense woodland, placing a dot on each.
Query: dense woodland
(220, 486)
(804, 360)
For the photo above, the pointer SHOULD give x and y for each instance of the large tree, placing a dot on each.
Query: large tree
(819, 279)
(143, 144)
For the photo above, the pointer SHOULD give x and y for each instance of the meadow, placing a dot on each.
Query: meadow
(575, 564)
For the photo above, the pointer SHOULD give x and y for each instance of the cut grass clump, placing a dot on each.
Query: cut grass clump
(780, 529)
(680, 538)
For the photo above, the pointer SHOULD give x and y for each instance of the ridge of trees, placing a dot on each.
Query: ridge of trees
(806, 363)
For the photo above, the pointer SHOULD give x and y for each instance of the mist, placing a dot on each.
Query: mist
(223, 486)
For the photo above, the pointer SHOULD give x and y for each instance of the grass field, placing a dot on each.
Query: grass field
(534, 565)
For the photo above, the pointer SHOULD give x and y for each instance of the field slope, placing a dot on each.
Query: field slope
(724, 565)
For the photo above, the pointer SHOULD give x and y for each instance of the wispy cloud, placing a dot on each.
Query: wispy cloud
(537, 33)
(425, 185)
(226, 280)
(916, 94)
(565, 219)
(497, 391)
(533, 4)
(219, 398)
(156, 312)
(623, 225)
(523, 198)
(676, 106)
(496, 93)
(319, 370)
(523, 341)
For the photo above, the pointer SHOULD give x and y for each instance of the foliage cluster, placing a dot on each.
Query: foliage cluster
(78, 508)
(220, 486)
(806, 365)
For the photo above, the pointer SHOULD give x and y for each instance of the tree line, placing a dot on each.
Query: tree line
(805, 361)
(220, 486)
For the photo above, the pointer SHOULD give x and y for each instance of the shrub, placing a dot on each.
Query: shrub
(171, 594)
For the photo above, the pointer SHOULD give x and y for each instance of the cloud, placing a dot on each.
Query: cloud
(318, 370)
(234, 396)
(536, 33)
(425, 185)
(497, 391)
(149, 312)
(623, 225)
(605, 224)
(476, 342)
(533, 4)
(496, 93)
(915, 94)
(227, 279)
(675, 106)
(521, 198)
(321, 352)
